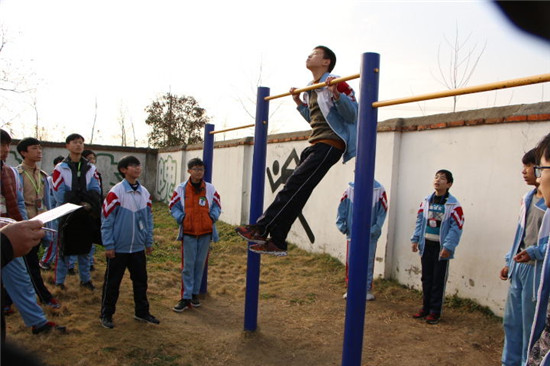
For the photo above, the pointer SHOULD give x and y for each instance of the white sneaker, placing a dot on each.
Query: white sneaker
(370, 297)
(345, 296)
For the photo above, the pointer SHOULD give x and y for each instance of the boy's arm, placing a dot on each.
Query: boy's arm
(418, 225)
(108, 216)
(94, 181)
(304, 111)
(20, 198)
(455, 230)
(216, 209)
(150, 224)
(381, 212)
(59, 187)
(342, 214)
(346, 104)
(176, 208)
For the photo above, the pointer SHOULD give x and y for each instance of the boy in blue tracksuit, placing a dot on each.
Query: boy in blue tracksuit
(436, 235)
(344, 222)
(196, 206)
(523, 266)
(539, 342)
(127, 233)
(75, 181)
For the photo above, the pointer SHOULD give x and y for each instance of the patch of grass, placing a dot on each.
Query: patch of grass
(456, 302)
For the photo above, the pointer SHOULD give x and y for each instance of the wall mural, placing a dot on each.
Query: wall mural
(111, 176)
(285, 173)
(167, 169)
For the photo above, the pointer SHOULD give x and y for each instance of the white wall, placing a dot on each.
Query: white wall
(485, 159)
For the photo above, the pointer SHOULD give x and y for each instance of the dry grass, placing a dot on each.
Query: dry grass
(301, 317)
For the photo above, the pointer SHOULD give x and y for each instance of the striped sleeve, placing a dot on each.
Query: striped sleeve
(110, 204)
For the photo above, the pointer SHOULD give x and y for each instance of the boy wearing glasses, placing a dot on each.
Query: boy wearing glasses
(539, 343)
(127, 232)
(522, 267)
(438, 229)
(196, 207)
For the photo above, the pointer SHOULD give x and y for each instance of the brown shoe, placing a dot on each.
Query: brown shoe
(251, 233)
(268, 248)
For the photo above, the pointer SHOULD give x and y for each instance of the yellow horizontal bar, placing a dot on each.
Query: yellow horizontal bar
(467, 90)
(232, 129)
(315, 86)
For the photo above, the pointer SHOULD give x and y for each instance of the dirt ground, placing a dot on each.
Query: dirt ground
(300, 317)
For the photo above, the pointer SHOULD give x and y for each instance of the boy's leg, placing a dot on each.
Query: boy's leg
(428, 259)
(315, 162)
(31, 263)
(528, 305)
(441, 271)
(203, 244)
(18, 284)
(372, 255)
(189, 253)
(512, 321)
(137, 265)
(92, 253)
(114, 272)
(84, 267)
(61, 268)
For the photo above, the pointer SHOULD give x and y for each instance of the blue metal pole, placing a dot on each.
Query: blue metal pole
(362, 211)
(256, 208)
(207, 158)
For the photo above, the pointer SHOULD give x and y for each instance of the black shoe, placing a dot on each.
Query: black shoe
(44, 266)
(147, 318)
(89, 285)
(183, 304)
(47, 327)
(107, 322)
(60, 286)
(92, 268)
(71, 272)
(195, 301)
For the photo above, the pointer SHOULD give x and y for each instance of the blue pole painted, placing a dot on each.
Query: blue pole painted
(256, 208)
(362, 212)
(207, 158)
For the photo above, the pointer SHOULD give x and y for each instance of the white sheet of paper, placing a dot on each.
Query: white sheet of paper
(56, 212)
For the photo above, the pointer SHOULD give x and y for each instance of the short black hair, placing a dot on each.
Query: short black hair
(85, 153)
(126, 161)
(72, 137)
(58, 160)
(543, 149)
(447, 173)
(328, 55)
(5, 137)
(530, 157)
(25, 143)
(195, 162)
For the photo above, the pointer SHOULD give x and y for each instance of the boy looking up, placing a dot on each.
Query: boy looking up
(75, 181)
(127, 231)
(196, 207)
(331, 111)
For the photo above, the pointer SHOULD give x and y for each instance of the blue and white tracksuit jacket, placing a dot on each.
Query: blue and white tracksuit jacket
(127, 219)
(451, 225)
(341, 115)
(63, 177)
(541, 310)
(378, 216)
(177, 207)
(524, 281)
(16, 279)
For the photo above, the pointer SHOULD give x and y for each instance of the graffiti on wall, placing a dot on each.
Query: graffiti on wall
(109, 176)
(284, 172)
(167, 169)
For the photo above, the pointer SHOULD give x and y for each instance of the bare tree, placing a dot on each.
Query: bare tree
(122, 124)
(95, 120)
(459, 68)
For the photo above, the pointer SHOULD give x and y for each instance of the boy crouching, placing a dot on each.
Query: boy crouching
(127, 233)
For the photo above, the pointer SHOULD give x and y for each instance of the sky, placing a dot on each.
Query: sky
(122, 55)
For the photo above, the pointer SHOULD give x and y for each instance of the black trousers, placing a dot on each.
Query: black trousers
(31, 262)
(315, 162)
(136, 264)
(434, 277)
